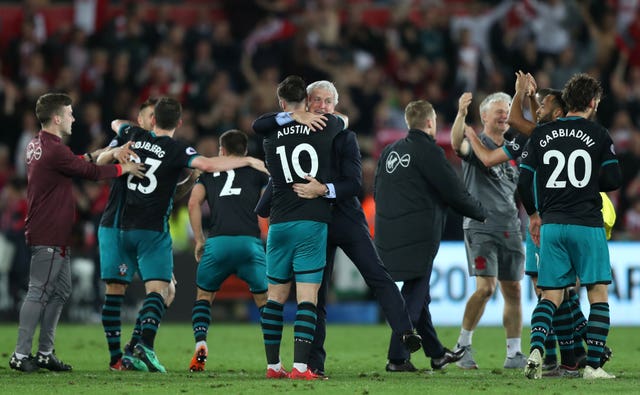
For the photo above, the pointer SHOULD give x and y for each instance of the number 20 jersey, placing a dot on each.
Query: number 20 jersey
(148, 201)
(293, 151)
(566, 157)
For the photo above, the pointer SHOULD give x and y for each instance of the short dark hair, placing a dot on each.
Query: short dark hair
(580, 90)
(417, 112)
(292, 89)
(234, 141)
(150, 102)
(51, 104)
(556, 95)
(167, 112)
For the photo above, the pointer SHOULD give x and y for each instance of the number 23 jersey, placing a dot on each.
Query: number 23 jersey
(566, 157)
(148, 201)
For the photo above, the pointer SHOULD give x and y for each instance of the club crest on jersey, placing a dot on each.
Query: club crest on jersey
(394, 160)
(122, 269)
(191, 151)
(503, 171)
(34, 151)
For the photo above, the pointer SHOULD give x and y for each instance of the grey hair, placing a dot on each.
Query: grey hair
(323, 84)
(494, 98)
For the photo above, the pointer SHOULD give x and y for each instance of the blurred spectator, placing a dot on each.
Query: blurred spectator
(13, 209)
(225, 62)
(163, 26)
(223, 105)
(35, 81)
(626, 13)
(629, 158)
(120, 91)
(631, 220)
(433, 34)
(30, 128)
(89, 119)
(357, 35)
(631, 35)
(21, 48)
(566, 66)
(366, 96)
(6, 166)
(93, 76)
(9, 112)
(129, 32)
(200, 67)
(77, 52)
(471, 32)
(549, 25)
(468, 64)
(606, 41)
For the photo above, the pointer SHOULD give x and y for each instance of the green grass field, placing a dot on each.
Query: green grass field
(356, 361)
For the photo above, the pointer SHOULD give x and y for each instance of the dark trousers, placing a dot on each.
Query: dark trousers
(355, 241)
(417, 297)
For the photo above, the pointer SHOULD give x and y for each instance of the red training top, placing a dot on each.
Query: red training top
(51, 205)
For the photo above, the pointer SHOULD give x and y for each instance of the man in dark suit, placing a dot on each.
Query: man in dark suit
(348, 228)
(414, 186)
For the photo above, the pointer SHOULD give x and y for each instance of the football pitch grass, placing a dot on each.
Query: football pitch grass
(355, 365)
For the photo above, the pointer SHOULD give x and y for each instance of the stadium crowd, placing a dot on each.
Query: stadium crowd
(225, 69)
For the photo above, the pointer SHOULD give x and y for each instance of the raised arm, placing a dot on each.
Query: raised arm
(122, 154)
(225, 163)
(516, 116)
(459, 144)
(116, 124)
(266, 123)
(74, 166)
(313, 121)
(487, 156)
(185, 185)
(533, 102)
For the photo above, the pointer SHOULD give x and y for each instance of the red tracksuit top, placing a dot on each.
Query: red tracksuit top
(51, 167)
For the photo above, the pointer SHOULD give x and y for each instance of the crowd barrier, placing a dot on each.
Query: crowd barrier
(451, 287)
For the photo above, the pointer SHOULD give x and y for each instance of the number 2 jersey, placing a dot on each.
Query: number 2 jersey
(232, 196)
(564, 167)
(146, 203)
(293, 151)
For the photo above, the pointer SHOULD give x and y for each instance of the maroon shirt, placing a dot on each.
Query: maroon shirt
(51, 205)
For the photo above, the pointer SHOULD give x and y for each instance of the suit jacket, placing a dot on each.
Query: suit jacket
(346, 176)
(415, 184)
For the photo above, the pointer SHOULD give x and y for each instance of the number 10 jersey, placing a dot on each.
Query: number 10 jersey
(293, 151)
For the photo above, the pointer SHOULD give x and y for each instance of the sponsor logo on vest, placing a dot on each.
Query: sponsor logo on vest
(394, 160)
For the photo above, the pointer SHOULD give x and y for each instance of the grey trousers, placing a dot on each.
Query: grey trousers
(49, 289)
